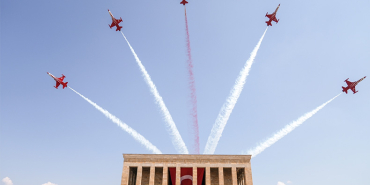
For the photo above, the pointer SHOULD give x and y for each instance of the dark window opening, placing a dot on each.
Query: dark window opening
(132, 176)
(214, 176)
(240, 176)
(145, 176)
(158, 176)
(228, 180)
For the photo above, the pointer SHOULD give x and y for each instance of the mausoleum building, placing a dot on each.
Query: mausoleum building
(161, 169)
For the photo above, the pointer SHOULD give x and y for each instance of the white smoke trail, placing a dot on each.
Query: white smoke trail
(174, 133)
(229, 105)
(286, 130)
(124, 126)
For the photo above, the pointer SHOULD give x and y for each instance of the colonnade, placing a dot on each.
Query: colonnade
(151, 169)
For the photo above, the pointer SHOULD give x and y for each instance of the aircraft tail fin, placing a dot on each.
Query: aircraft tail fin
(344, 89)
(118, 28)
(65, 85)
(184, 2)
(268, 23)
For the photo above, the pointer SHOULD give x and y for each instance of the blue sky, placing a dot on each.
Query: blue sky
(49, 135)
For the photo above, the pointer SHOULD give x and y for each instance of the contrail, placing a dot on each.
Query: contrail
(286, 130)
(124, 126)
(228, 106)
(193, 95)
(174, 133)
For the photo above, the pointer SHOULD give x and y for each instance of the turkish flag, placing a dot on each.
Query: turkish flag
(200, 173)
(186, 176)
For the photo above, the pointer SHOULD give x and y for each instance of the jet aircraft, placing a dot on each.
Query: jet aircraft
(272, 17)
(351, 85)
(184, 2)
(115, 22)
(59, 80)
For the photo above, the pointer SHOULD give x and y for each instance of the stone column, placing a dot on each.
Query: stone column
(178, 171)
(208, 175)
(139, 175)
(234, 175)
(221, 176)
(248, 174)
(165, 175)
(195, 175)
(152, 174)
(125, 172)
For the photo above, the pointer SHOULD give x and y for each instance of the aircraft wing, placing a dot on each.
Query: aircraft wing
(353, 89)
(61, 78)
(349, 83)
(57, 85)
(112, 25)
(268, 15)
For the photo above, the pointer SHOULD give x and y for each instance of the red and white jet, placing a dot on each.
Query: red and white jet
(183, 2)
(115, 22)
(272, 17)
(59, 80)
(351, 85)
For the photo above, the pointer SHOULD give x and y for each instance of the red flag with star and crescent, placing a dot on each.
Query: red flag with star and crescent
(186, 176)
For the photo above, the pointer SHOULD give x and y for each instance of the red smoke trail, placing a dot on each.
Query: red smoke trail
(193, 96)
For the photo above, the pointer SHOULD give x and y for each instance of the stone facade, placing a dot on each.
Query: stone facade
(152, 169)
